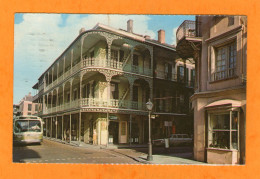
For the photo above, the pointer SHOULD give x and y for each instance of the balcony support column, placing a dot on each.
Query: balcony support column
(51, 127)
(63, 68)
(62, 128)
(56, 124)
(63, 96)
(70, 127)
(71, 60)
(52, 71)
(108, 92)
(48, 78)
(80, 97)
(58, 65)
(43, 104)
(70, 92)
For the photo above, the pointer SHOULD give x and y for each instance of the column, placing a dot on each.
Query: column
(52, 71)
(80, 97)
(56, 124)
(71, 60)
(70, 92)
(62, 128)
(48, 78)
(130, 130)
(43, 104)
(63, 68)
(131, 85)
(79, 127)
(108, 92)
(46, 120)
(70, 127)
(63, 96)
(51, 128)
(58, 65)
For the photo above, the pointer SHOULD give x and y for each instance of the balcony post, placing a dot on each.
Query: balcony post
(47, 105)
(56, 124)
(43, 104)
(62, 128)
(63, 68)
(108, 91)
(70, 127)
(80, 97)
(63, 96)
(48, 79)
(70, 92)
(71, 60)
(57, 98)
(109, 43)
(58, 65)
(51, 128)
(52, 71)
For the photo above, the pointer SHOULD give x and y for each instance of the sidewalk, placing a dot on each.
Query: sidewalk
(169, 160)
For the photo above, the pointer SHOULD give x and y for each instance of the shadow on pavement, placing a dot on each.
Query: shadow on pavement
(21, 152)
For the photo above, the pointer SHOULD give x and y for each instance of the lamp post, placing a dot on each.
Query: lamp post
(149, 106)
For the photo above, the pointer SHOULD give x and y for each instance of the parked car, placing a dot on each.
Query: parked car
(175, 140)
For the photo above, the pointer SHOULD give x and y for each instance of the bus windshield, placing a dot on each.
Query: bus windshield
(27, 126)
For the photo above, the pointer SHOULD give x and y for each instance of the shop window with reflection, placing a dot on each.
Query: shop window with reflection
(223, 130)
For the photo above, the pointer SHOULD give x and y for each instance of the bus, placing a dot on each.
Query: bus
(27, 129)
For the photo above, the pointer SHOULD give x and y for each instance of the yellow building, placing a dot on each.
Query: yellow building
(96, 90)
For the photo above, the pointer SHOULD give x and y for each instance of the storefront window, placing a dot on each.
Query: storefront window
(223, 130)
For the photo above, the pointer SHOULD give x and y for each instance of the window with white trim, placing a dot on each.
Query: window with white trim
(223, 130)
(225, 62)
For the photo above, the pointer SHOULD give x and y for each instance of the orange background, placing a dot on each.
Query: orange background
(16, 170)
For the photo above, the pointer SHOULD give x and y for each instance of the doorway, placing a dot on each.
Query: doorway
(113, 132)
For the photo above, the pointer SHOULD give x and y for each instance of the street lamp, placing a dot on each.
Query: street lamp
(149, 106)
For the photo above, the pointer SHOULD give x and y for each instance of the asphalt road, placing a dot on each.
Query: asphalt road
(54, 152)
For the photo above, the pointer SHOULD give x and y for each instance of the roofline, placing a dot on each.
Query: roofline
(110, 30)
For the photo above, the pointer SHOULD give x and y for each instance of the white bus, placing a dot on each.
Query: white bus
(27, 129)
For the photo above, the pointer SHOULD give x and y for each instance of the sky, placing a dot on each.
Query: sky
(40, 38)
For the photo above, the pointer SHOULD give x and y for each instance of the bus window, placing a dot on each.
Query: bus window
(34, 126)
(21, 126)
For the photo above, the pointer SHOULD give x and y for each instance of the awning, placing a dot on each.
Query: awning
(224, 103)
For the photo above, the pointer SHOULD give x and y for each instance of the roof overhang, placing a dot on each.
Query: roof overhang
(224, 104)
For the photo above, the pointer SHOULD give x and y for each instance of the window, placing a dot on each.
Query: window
(223, 130)
(135, 93)
(180, 73)
(192, 77)
(231, 20)
(114, 90)
(225, 62)
(29, 107)
(36, 107)
(135, 60)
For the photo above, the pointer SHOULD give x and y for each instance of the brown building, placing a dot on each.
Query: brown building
(218, 44)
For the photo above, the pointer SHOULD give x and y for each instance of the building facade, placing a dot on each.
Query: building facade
(218, 45)
(26, 106)
(96, 91)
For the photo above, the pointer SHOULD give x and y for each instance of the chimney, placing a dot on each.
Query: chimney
(130, 26)
(82, 30)
(161, 36)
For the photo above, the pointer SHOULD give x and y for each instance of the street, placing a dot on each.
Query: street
(55, 152)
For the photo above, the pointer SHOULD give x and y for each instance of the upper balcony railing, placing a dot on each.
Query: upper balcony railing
(99, 62)
(186, 29)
